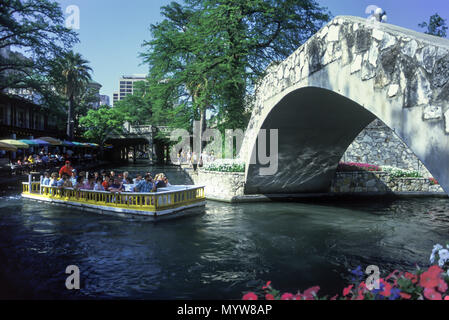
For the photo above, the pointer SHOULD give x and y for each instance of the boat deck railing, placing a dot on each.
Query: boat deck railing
(152, 201)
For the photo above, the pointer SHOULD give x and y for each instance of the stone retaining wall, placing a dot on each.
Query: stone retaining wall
(229, 186)
(380, 182)
(222, 186)
(379, 145)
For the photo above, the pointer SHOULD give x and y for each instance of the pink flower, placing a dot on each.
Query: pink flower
(442, 286)
(334, 297)
(387, 288)
(430, 278)
(360, 296)
(310, 293)
(405, 295)
(287, 296)
(411, 276)
(435, 270)
(431, 294)
(392, 274)
(269, 297)
(250, 296)
(268, 285)
(446, 298)
(347, 290)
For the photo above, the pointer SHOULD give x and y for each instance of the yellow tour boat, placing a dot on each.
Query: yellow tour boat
(169, 202)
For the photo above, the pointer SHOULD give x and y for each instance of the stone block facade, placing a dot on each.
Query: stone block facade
(377, 144)
(380, 182)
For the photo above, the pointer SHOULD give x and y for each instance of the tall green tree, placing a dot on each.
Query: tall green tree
(208, 54)
(72, 74)
(35, 28)
(100, 124)
(436, 26)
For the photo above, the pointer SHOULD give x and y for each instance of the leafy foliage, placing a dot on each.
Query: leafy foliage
(225, 165)
(101, 123)
(436, 26)
(71, 75)
(35, 28)
(209, 54)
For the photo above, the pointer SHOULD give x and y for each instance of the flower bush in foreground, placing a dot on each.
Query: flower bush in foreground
(430, 284)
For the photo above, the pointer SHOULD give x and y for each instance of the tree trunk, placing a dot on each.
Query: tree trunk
(203, 126)
(70, 119)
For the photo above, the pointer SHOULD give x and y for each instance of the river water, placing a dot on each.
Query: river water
(230, 249)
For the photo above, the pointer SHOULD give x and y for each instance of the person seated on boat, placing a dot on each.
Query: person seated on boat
(89, 184)
(125, 176)
(98, 184)
(106, 183)
(54, 179)
(46, 180)
(67, 183)
(79, 183)
(160, 183)
(73, 177)
(165, 179)
(67, 169)
(146, 185)
(115, 186)
(128, 185)
(137, 179)
(63, 180)
(82, 173)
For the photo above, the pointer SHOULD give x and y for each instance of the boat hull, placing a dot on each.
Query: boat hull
(186, 210)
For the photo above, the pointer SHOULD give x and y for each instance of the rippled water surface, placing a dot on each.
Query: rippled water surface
(229, 249)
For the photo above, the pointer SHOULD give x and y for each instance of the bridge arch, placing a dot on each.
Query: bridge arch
(348, 74)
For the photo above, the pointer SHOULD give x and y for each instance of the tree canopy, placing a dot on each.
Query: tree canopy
(102, 123)
(209, 54)
(35, 30)
(436, 26)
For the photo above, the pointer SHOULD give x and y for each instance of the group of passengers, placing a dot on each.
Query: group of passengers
(68, 177)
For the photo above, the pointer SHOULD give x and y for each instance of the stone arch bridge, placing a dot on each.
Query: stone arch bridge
(347, 75)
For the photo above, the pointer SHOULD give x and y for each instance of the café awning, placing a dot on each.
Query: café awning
(7, 147)
(52, 141)
(16, 143)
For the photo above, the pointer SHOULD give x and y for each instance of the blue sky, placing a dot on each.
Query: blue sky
(112, 31)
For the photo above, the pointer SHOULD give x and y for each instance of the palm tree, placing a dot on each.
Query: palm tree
(72, 74)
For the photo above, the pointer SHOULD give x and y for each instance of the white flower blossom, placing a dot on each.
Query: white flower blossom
(443, 254)
(436, 248)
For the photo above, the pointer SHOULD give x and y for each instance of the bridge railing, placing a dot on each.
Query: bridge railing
(154, 201)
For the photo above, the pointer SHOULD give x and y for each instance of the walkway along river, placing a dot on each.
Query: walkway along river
(230, 249)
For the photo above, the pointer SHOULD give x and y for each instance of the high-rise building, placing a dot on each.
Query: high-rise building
(104, 100)
(95, 88)
(126, 86)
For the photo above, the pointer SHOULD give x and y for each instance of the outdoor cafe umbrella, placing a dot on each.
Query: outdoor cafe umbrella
(35, 142)
(29, 142)
(41, 142)
(52, 141)
(7, 147)
(15, 143)
(67, 143)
